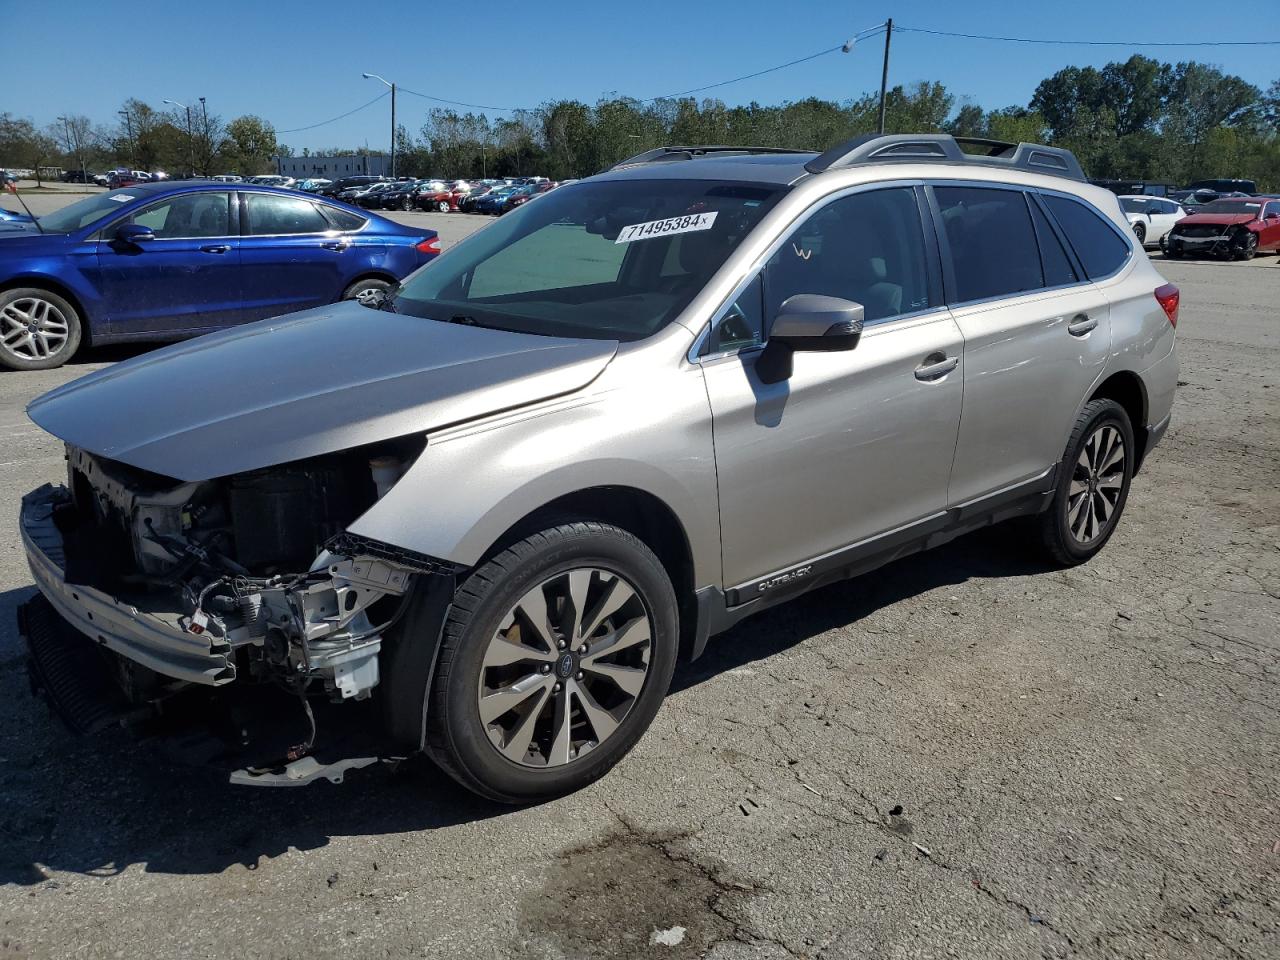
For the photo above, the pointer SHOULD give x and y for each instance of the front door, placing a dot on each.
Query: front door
(185, 280)
(292, 257)
(853, 444)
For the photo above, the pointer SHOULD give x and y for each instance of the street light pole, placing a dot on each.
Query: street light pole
(128, 125)
(191, 134)
(74, 145)
(374, 76)
(208, 147)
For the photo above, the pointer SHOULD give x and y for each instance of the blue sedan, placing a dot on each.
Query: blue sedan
(165, 261)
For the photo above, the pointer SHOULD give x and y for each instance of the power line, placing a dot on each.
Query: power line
(1098, 43)
(340, 116)
(460, 103)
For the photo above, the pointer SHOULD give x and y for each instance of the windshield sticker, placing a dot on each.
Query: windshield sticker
(665, 228)
(122, 197)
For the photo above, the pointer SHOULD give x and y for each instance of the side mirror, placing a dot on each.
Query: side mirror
(134, 233)
(808, 322)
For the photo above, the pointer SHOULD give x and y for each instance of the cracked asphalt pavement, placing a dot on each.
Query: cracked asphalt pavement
(962, 755)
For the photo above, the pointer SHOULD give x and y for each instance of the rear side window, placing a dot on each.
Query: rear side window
(271, 214)
(1099, 247)
(344, 219)
(992, 241)
(1058, 270)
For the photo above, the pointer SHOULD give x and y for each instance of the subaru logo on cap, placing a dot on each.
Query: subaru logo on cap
(565, 667)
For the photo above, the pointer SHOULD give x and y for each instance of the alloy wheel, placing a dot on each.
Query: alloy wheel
(565, 667)
(1097, 482)
(32, 328)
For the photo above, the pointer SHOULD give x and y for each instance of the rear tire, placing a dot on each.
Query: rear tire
(1140, 231)
(39, 330)
(1093, 485)
(368, 293)
(533, 697)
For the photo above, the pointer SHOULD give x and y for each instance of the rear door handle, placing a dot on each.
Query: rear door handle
(216, 248)
(1081, 324)
(933, 368)
(336, 245)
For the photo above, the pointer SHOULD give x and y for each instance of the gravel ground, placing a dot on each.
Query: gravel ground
(963, 754)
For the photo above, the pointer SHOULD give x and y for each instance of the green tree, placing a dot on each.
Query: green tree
(252, 141)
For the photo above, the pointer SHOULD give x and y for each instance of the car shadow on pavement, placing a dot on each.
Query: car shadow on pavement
(998, 551)
(96, 806)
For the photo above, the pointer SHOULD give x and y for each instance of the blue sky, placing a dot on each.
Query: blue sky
(299, 67)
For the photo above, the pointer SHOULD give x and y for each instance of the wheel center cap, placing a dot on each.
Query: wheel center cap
(566, 666)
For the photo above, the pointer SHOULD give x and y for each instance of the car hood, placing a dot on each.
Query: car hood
(307, 384)
(1215, 219)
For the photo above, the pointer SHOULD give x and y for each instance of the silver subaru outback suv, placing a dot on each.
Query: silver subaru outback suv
(593, 435)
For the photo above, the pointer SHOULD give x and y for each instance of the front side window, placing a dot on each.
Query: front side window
(190, 215)
(271, 214)
(1100, 248)
(612, 259)
(867, 247)
(992, 241)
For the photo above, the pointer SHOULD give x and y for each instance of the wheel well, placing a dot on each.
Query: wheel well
(639, 513)
(1126, 389)
(53, 286)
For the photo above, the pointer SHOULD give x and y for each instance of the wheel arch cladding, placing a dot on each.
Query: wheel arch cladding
(1126, 388)
(40, 282)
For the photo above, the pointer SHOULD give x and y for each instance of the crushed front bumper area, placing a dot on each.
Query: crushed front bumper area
(139, 629)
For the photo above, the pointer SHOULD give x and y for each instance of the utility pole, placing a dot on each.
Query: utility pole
(73, 145)
(128, 124)
(884, 74)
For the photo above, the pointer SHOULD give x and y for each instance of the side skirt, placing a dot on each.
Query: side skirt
(718, 610)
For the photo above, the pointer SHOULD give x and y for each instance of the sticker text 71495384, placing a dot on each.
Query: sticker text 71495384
(665, 228)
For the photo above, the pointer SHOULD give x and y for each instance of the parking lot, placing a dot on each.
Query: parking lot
(963, 754)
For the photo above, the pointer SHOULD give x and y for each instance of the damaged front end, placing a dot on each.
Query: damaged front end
(248, 578)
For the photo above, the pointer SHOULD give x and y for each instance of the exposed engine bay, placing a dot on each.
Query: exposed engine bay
(257, 563)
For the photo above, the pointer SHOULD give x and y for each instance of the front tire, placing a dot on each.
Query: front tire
(39, 330)
(554, 659)
(1140, 231)
(1246, 248)
(1093, 485)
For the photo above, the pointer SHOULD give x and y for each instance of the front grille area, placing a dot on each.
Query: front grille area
(1199, 232)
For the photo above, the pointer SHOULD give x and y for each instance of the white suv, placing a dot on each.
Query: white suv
(597, 433)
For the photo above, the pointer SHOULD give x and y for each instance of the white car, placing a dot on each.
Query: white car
(1151, 217)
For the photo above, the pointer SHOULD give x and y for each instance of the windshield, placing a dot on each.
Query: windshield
(84, 212)
(1217, 206)
(605, 260)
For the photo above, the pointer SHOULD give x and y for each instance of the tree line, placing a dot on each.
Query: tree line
(1140, 119)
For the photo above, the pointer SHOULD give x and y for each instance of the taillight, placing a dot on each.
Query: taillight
(1168, 296)
(431, 247)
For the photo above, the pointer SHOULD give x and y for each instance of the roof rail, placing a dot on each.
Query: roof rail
(664, 154)
(942, 147)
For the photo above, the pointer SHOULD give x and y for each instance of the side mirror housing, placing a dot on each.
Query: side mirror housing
(134, 233)
(809, 322)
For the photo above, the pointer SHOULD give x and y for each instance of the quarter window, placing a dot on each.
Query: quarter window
(743, 323)
(189, 215)
(344, 219)
(867, 247)
(272, 214)
(1058, 270)
(992, 241)
(1099, 247)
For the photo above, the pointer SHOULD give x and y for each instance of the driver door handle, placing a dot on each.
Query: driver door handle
(934, 368)
(216, 248)
(1081, 324)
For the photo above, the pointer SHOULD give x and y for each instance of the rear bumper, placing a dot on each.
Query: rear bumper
(144, 633)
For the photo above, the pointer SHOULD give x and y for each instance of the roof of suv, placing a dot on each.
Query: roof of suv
(781, 166)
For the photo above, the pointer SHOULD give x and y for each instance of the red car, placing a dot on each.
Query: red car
(446, 200)
(1234, 228)
(526, 194)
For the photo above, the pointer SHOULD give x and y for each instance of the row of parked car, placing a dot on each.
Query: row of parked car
(489, 196)
(1233, 227)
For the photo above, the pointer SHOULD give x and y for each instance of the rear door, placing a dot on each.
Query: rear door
(291, 256)
(185, 280)
(1036, 335)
